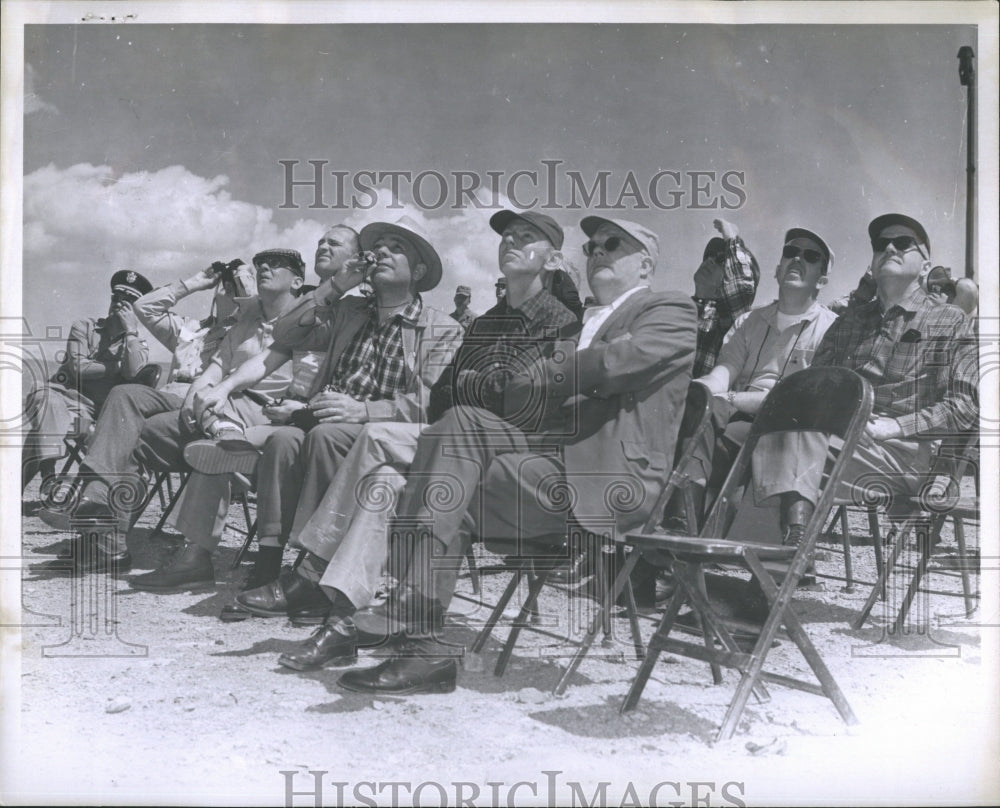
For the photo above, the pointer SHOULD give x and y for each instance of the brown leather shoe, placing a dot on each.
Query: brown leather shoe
(334, 643)
(407, 673)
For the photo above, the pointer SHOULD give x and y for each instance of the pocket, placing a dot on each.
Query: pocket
(637, 452)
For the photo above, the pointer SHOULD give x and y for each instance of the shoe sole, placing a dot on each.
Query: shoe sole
(259, 612)
(57, 521)
(224, 457)
(195, 586)
(333, 662)
(435, 687)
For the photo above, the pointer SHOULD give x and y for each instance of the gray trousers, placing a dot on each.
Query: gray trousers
(793, 461)
(350, 527)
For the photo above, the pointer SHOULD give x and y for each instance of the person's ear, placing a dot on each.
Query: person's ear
(418, 272)
(647, 267)
(821, 281)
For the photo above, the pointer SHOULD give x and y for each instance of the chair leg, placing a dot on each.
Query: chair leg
(470, 558)
(897, 538)
(605, 604)
(705, 633)
(846, 539)
(963, 565)
(923, 536)
(535, 583)
(876, 533)
(838, 515)
(170, 507)
(653, 652)
(497, 612)
(781, 612)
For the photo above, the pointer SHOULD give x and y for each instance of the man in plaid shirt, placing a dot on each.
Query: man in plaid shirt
(381, 355)
(920, 358)
(725, 286)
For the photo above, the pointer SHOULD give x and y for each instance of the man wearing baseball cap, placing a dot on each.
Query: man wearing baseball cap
(347, 536)
(100, 353)
(584, 436)
(382, 353)
(921, 360)
(462, 313)
(764, 346)
(133, 440)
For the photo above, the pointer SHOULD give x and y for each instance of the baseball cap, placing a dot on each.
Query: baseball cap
(646, 237)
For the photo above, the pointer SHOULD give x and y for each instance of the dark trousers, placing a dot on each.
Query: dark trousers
(295, 470)
(474, 473)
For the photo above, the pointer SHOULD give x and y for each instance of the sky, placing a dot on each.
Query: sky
(157, 147)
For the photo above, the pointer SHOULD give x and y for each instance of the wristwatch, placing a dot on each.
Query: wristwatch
(731, 398)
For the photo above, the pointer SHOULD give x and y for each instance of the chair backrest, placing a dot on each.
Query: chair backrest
(149, 376)
(696, 418)
(830, 400)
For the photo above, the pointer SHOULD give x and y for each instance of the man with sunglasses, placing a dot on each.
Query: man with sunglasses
(130, 438)
(921, 361)
(763, 346)
(725, 285)
(586, 434)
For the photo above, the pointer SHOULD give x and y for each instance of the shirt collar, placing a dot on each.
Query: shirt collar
(911, 303)
(772, 312)
(532, 307)
(592, 311)
(410, 314)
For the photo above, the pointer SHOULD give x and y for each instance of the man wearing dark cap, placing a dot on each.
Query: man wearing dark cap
(347, 535)
(585, 435)
(764, 346)
(462, 313)
(100, 353)
(382, 353)
(921, 361)
(725, 285)
(157, 442)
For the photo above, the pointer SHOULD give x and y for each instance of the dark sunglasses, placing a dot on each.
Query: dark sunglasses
(901, 243)
(609, 246)
(811, 256)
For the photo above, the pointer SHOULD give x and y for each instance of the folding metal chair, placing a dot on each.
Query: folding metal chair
(840, 517)
(695, 420)
(832, 401)
(938, 500)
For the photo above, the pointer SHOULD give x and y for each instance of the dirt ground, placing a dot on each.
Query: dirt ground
(173, 706)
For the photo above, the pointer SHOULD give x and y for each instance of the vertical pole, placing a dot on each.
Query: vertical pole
(967, 76)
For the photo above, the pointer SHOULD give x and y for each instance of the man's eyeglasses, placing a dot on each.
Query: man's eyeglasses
(274, 263)
(609, 246)
(901, 243)
(810, 256)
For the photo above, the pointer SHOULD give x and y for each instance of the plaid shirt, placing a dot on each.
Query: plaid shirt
(372, 367)
(919, 357)
(740, 276)
(498, 343)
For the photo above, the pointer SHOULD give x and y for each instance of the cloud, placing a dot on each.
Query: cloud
(83, 222)
(32, 101)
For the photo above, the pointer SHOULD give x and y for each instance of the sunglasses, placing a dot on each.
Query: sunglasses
(901, 243)
(609, 246)
(810, 256)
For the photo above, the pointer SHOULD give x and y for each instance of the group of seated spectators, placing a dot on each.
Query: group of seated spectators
(382, 435)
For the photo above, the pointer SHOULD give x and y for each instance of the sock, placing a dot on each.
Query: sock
(312, 568)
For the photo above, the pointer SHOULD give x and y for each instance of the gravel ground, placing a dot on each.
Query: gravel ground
(173, 706)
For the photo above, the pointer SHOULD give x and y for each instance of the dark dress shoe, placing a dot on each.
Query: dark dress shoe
(404, 675)
(222, 456)
(91, 559)
(290, 594)
(329, 645)
(190, 569)
(405, 610)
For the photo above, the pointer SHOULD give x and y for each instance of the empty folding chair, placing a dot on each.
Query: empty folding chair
(832, 401)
